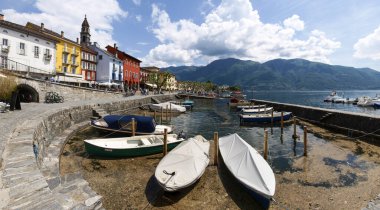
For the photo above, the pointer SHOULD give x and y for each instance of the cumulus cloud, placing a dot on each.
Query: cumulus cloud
(138, 18)
(369, 46)
(233, 29)
(68, 18)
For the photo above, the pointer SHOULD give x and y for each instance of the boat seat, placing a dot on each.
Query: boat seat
(146, 141)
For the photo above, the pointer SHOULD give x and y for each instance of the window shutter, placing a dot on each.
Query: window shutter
(18, 47)
(26, 49)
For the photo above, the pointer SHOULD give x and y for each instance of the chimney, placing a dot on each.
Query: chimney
(114, 45)
(42, 26)
(62, 34)
(77, 40)
(1, 17)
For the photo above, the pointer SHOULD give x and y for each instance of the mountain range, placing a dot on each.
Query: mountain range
(280, 74)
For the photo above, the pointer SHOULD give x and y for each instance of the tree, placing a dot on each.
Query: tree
(7, 86)
(160, 79)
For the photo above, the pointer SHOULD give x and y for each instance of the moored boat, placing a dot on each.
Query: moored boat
(130, 146)
(248, 167)
(264, 118)
(171, 107)
(184, 165)
(123, 124)
(240, 107)
(257, 110)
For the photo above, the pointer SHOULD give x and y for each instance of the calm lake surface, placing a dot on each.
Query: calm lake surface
(315, 98)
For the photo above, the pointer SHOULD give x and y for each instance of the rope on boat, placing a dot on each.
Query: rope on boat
(167, 173)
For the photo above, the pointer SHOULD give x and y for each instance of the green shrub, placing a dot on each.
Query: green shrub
(7, 86)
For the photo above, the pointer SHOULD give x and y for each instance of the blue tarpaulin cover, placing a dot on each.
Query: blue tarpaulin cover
(123, 122)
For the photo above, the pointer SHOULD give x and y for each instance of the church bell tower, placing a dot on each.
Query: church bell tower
(85, 36)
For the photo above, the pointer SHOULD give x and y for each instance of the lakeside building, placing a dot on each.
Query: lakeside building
(67, 55)
(131, 66)
(148, 72)
(88, 56)
(109, 70)
(23, 49)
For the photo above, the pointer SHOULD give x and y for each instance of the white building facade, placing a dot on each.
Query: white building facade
(25, 50)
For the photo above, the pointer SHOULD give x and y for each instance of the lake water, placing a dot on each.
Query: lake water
(315, 98)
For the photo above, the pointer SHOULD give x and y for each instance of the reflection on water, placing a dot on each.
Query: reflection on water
(207, 118)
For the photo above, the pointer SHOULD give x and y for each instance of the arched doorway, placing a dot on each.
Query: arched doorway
(27, 93)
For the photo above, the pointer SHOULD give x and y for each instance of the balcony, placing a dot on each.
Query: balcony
(5, 48)
(74, 53)
(65, 50)
(65, 62)
(74, 63)
(47, 57)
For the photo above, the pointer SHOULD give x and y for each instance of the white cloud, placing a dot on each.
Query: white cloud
(233, 29)
(142, 43)
(138, 18)
(369, 46)
(137, 2)
(294, 22)
(68, 18)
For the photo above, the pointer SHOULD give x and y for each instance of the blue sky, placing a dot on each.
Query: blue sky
(183, 32)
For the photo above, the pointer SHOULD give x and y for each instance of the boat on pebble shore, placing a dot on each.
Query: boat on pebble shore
(184, 165)
(123, 124)
(130, 146)
(167, 106)
(256, 175)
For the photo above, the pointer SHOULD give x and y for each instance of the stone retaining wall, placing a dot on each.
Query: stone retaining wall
(349, 123)
(30, 178)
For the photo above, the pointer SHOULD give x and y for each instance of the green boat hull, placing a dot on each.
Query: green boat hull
(127, 152)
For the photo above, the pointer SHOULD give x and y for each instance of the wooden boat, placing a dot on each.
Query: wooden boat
(248, 167)
(188, 104)
(130, 146)
(123, 124)
(167, 105)
(264, 118)
(184, 165)
(257, 110)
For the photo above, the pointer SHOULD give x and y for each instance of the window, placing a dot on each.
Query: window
(64, 58)
(73, 69)
(82, 54)
(65, 69)
(36, 40)
(47, 52)
(100, 57)
(82, 64)
(74, 50)
(5, 42)
(36, 51)
(22, 48)
(73, 59)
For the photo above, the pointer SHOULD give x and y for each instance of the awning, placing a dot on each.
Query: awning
(71, 79)
(151, 85)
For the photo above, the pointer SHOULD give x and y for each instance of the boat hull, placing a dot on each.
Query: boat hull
(127, 132)
(264, 119)
(127, 152)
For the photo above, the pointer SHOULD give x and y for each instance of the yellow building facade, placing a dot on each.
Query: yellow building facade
(68, 52)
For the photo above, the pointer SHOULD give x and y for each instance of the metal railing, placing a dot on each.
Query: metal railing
(10, 65)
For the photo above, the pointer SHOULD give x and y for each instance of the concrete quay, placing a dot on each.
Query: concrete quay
(30, 145)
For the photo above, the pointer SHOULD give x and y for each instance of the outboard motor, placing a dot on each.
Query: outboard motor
(181, 135)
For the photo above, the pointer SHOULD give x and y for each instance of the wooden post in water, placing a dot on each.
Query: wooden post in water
(167, 117)
(162, 115)
(133, 127)
(144, 113)
(305, 141)
(294, 128)
(272, 118)
(154, 116)
(282, 122)
(165, 147)
(265, 144)
(170, 112)
(216, 148)
(265, 108)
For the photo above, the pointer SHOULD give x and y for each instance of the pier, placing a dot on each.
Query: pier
(355, 125)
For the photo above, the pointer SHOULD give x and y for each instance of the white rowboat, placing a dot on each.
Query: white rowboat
(247, 165)
(184, 165)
